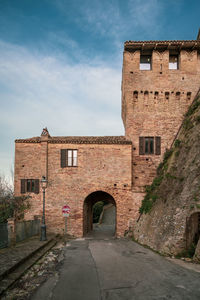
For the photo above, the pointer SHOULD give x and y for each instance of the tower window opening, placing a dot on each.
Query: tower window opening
(145, 62)
(173, 62)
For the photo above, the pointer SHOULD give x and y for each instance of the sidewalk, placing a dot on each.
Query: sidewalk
(13, 260)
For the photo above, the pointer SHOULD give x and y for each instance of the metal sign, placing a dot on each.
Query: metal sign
(66, 211)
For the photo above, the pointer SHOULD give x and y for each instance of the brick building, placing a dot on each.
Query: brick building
(159, 81)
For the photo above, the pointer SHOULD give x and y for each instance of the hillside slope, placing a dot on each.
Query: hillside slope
(170, 220)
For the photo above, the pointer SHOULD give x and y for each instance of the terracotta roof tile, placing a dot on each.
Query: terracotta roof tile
(154, 44)
(79, 140)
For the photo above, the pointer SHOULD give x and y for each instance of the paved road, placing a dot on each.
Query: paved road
(109, 269)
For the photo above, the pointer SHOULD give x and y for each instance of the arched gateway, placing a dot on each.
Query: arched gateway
(89, 202)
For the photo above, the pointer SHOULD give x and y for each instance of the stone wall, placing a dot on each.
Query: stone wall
(173, 224)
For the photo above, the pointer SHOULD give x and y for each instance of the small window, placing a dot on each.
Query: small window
(150, 145)
(145, 62)
(178, 95)
(189, 94)
(69, 158)
(173, 62)
(72, 158)
(29, 186)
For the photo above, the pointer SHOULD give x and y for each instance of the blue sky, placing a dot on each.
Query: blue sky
(61, 62)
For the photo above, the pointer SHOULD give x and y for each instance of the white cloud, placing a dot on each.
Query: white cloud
(39, 91)
(107, 18)
(146, 15)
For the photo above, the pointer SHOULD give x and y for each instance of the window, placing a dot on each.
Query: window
(69, 158)
(173, 62)
(29, 186)
(145, 62)
(150, 145)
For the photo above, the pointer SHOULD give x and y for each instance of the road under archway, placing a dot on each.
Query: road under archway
(107, 222)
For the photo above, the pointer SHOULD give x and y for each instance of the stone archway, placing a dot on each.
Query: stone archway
(89, 202)
(192, 230)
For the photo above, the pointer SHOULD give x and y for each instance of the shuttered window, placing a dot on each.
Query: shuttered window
(149, 145)
(29, 186)
(69, 158)
(158, 145)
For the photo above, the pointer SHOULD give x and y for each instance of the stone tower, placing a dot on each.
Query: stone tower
(159, 81)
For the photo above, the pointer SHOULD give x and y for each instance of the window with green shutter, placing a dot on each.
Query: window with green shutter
(149, 145)
(30, 186)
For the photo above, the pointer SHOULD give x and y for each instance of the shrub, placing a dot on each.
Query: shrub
(97, 210)
(167, 154)
(187, 124)
(192, 108)
(198, 119)
(11, 206)
(177, 143)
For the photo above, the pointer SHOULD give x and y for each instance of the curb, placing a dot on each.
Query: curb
(11, 269)
(10, 276)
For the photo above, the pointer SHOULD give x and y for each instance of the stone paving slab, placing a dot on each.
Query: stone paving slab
(12, 257)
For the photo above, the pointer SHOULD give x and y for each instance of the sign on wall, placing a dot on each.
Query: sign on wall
(66, 210)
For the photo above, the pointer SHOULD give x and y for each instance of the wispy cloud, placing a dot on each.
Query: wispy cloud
(39, 91)
(107, 18)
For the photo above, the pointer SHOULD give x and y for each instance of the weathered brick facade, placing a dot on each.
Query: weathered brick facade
(153, 104)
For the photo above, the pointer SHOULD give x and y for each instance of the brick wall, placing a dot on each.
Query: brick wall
(100, 167)
(150, 113)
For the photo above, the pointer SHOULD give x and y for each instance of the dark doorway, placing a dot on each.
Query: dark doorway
(99, 215)
(192, 231)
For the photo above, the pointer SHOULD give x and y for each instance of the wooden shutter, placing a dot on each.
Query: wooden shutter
(141, 145)
(23, 186)
(37, 186)
(63, 158)
(158, 145)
